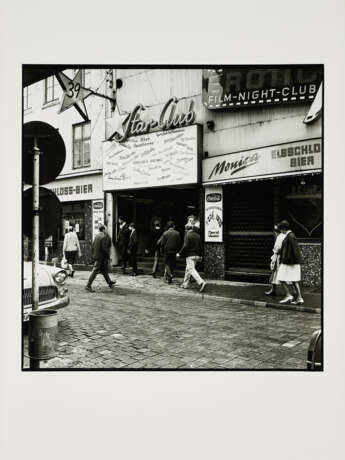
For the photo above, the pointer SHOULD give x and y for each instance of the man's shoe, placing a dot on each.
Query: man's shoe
(202, 286)
(89, 288)
(271, 292)
(154, 275)
(111, 284)
(287, 299)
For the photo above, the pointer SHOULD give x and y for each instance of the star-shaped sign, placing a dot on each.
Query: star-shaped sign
(73, 93)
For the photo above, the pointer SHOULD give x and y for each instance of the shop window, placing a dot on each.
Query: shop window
(52, 89)
(27, 98)
(73, 214)
(301, 205)
(81, 145)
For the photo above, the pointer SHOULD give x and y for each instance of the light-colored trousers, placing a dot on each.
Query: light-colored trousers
(191, 271)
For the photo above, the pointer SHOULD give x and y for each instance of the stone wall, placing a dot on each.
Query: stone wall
(311, 269)
(214, 260)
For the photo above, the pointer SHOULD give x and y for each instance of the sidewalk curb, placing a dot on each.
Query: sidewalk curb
(248, 302)
(277, 306)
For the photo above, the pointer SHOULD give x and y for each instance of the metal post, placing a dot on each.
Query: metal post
(34, 363)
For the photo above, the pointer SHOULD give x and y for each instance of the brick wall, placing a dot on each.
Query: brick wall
(311, 269)
(214, 263)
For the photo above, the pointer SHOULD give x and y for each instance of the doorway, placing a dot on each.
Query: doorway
(249, 223)
(147, 206)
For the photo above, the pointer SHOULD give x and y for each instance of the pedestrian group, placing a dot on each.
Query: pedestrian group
(285, 263)
(167, 244)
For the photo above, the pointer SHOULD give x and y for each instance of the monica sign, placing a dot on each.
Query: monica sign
(278, 160)
(251, 86)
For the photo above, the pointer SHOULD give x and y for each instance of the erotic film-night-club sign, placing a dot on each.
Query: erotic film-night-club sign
(237, 87)
(132, 124)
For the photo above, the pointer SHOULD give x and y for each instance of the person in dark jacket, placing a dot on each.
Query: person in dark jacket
(170, 244)
(289, 271)
(156, 241)
(122, 242)
(100, 252)
(132, 248)
(191, 250)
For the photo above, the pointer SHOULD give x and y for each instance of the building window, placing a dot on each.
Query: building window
(301, 205)
(73, 215)
(81, 145)
(52, 89)
(27, 97)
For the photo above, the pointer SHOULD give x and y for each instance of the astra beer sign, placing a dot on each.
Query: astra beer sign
(170, 118)
(255, 86)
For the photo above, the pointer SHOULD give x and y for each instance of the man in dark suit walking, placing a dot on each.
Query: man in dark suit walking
(132, 248)
(122, 242)
(100, 251)
(170, 245)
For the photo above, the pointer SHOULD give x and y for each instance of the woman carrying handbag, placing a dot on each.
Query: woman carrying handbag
(275, 259)
(289, 271)
(70, 249)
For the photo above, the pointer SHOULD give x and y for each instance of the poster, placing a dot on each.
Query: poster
(97, 216)
(155, 160)
(214, 214)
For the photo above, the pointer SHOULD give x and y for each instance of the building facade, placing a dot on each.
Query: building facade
(239, 147)
(231, 146)
(79, 185)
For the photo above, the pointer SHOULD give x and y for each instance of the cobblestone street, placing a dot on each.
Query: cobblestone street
(146, 324)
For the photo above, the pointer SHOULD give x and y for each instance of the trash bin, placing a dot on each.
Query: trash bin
(43, 326)
(314, 357)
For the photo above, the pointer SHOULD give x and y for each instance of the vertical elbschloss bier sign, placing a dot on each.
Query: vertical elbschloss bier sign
(97, 216)
(214, 214)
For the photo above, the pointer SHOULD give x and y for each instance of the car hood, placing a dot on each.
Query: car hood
(44, 275)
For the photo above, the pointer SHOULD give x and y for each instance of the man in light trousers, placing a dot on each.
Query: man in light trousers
(192, 251)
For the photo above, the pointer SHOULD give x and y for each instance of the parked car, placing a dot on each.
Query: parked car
(52, 289)
(315, 355)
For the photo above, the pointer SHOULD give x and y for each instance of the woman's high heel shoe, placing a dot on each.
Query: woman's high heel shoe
(298, 301)
(287, 299)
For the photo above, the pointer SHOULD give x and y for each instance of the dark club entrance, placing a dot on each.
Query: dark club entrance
(146, 206)
(249, 211)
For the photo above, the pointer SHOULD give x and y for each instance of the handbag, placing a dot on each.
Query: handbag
(64, 263)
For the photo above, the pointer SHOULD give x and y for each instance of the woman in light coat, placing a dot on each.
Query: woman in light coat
(275, 259)
(70, 249)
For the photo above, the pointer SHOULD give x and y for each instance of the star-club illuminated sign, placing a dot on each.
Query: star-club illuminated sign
(73, 93)
(132, 124)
